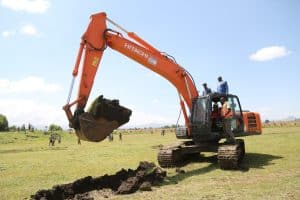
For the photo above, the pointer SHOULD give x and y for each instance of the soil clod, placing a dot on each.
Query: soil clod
(146, 186)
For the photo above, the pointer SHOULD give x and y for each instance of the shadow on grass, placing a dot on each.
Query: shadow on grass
(251, 160)
(257, 161)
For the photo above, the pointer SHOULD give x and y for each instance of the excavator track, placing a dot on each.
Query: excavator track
(169, 156)
(231, 155)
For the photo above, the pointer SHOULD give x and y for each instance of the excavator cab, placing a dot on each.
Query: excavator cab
(235, 114)
(206, 122)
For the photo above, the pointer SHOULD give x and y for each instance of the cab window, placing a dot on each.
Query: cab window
(200, 109)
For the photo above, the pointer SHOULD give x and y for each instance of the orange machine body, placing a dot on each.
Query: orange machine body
(252, 123)
(98, 37)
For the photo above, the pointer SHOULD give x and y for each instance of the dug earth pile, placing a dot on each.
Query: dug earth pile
(122, 182)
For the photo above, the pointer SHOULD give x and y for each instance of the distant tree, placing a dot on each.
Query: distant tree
(267, 121)
(23, 128)
(30, 127)
(3, 123)
(54, 127)
(169, 126)
(13, 128)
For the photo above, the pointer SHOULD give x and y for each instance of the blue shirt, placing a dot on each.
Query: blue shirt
(223, 87)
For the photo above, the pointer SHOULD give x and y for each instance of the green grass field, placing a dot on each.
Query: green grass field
(270, 170)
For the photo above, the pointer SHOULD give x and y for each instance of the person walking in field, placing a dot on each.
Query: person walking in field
(120, 136)
(59, 139)
(223, 86)
(110, 137)
(52, 140)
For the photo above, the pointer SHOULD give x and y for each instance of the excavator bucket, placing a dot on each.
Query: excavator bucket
(95, 130)
(102, 118)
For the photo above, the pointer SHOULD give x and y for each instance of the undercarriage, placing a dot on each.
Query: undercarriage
(229, 155)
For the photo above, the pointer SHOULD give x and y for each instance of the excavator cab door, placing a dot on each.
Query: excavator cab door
(235, 114)
(200, 117)
(237, 123)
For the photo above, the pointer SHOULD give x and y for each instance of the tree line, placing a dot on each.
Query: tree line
(4, 126)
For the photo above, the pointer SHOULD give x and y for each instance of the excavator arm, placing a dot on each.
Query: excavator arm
(93, 44)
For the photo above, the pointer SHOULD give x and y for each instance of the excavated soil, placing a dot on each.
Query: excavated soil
(122, 182)
(101, 119)
(110, 110)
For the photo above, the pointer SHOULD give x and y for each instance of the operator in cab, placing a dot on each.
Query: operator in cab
(215, 116)
(226, 115)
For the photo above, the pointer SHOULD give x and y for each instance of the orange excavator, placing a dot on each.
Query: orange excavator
(201, 132)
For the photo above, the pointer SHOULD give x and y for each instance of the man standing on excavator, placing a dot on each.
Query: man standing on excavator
(223, 86)
(207, 90)
(226, 115)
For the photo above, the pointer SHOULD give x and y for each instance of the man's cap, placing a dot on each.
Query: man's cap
(204, 84)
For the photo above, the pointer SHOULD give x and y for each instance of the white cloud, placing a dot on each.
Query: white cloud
(24, 111)
(29, 30)
(269, 53)
(8, 34)
(31, 6)
(29, 84)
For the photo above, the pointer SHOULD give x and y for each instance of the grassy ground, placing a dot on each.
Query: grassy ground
(271, 169)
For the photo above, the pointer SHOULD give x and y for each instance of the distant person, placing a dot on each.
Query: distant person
(226, 115)
(120, 136)
(223, 86)
(163, 132)
(110, 137)
(59, 139)
(206, 90)
(52, 140)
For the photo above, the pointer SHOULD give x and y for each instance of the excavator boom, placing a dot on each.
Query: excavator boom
(93, 44)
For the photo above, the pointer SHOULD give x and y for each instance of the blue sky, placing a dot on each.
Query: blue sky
(254, 45)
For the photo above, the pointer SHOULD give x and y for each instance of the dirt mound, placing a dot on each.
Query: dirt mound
(110, 110)
(123, 182)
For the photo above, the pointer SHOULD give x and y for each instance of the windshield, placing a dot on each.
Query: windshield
(234, 106)
(199, 110)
